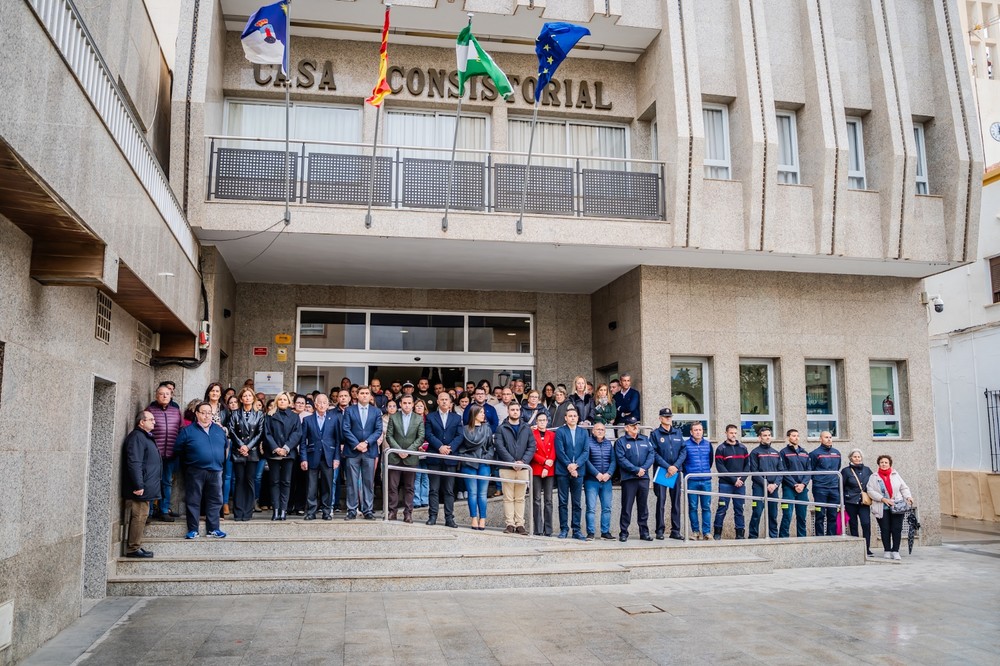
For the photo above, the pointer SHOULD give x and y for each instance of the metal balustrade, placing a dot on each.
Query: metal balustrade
(334, 172)
(65, 27)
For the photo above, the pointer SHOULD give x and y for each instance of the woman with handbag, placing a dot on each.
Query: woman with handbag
(856, 498)
(891, 498)
(246, 429)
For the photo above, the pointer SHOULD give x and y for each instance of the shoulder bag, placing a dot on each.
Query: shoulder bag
(866, 499)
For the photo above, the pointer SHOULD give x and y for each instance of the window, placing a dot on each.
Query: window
(426, 129)
(855, 155)
(102, 327)
(995, 278)
(143, 343)
(717, 161)
(689, 391)
(391, 331)
(569, 138)
(505, 335)
(821, 398)
(885, 399)
(324, 329)
(788, 148)
(921, 144)
(756, 395)
(320, 122)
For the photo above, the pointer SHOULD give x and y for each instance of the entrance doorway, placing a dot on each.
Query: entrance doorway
(100, 454)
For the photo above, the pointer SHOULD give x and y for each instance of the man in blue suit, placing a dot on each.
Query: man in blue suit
(319, 455)
(572, 451)
(628, 402)
(444, 434)
(361, 428)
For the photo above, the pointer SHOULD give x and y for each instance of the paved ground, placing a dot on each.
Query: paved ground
(939, 606)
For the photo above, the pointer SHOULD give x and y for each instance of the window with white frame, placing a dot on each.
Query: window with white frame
(427, 129)
(756, 395)
(318, 122)
(717, 157)
(920, 140)
(885, 399)
(788, 148)
(822, 409)
(590, 141)
(689, 393)
(855, 155)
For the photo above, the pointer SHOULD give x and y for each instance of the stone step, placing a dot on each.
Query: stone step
(466, 579)
(252, 547)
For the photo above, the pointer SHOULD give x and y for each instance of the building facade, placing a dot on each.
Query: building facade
(735, 202)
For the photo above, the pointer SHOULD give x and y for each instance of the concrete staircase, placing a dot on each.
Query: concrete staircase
(264, 557)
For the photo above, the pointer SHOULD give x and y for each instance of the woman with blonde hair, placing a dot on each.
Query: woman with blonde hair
(604, 406)
(282, 433)
(856, 476)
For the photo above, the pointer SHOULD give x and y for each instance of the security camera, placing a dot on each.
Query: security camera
(938, 303)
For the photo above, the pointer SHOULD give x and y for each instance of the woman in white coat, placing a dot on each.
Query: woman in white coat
(891, 498)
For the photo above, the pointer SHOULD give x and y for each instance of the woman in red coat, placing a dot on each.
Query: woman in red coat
(543, 473)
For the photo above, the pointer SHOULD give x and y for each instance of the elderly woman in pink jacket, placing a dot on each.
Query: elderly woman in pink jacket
(891, 498)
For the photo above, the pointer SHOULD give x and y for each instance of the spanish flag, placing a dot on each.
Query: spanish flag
(381, 88)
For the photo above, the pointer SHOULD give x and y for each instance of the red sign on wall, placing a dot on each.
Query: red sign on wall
(260, 351)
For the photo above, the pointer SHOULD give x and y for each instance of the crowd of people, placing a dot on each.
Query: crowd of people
(242, 454)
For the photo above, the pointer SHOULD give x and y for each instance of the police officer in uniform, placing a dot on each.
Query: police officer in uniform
(670, 452)
(634, 454)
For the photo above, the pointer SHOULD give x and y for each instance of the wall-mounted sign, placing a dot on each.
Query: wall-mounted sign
(270, 383)
(283, 339)
(260, 351)
(441, 83)
(281, 354)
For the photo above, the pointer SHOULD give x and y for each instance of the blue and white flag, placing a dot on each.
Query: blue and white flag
(552, 45)
(265, 39)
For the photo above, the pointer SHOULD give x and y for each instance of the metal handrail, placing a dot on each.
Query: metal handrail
(767, 520)
(528, 515)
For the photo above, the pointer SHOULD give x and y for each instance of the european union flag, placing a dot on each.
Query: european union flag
(265, 38)
(553, 44)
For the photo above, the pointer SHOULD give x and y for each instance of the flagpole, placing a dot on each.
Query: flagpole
(527, 168)
(288, 91)
(371, 174)
(451, 164)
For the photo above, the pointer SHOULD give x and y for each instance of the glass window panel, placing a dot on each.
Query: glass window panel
(507, 335)
(435, 130)
(716, 142)
(855, 155)
(309, 378)
(320, 329)
(417, 332)
(754, 389)
(819, 389)
(816, 427)
(921, 178)
(751, 427)
(327, 123)
(687, 387)
(883, 390)
(885, 428)
(500, 376)
(788, 159)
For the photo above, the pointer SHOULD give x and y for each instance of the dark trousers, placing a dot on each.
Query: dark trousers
(720, 513)
(244, 479)
(860, 513)
(320, 490)
(635, 491)
(298, 491)
(788, 492)
(826, 517)
(202, 484)
(280, 472)
(675, 508)
(360, 480)
(570, 492)
(541, 491)
(891, 526)
(401, 483)
(758, 509)
(441, 491)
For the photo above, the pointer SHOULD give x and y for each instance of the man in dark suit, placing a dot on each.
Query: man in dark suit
(140, 480)
(405, 430)
(319, 455)
(361, 428)
(572, 451)
(444, 434)
(628, 402)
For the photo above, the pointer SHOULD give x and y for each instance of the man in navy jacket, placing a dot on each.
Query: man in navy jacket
(319, 454)
(444, 434)
(202, 448)
(361, 428)
(572, 451)
(825, 487)
(670, 453)
(634, 454)
(627, 401)
(731, 456)
(765, 459)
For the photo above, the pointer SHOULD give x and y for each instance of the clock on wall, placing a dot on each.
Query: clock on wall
(995, 131)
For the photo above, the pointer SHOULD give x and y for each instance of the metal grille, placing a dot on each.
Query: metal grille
(344, 179)
(993, 419)
(254, 175)
(549, 191)
(426, 183)
(102, 328)
(621, 194)
(143, 343)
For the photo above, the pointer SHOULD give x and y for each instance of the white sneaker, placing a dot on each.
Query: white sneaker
(896, 556)
(887, 555)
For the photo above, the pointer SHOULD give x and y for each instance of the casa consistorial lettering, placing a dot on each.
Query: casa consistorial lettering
(434, 83)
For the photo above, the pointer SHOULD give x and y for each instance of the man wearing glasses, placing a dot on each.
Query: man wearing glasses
(202, 449)
(141, 480)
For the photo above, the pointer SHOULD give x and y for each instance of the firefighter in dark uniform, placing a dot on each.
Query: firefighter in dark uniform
(634, 454)
(765, 459)
(669, 452)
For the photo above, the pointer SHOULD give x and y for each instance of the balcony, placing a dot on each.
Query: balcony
(409, 177)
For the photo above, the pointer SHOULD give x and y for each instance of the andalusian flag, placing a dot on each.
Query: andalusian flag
(474, 61)
(382, 88)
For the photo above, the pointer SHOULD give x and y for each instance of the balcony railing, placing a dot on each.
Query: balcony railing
(329, 172)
